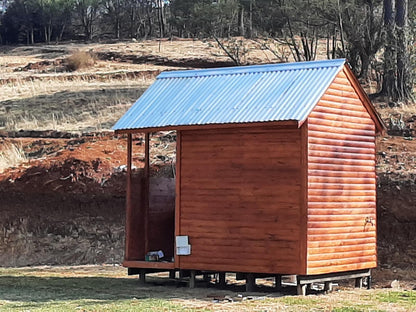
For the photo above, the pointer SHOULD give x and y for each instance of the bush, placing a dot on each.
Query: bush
(79, 60)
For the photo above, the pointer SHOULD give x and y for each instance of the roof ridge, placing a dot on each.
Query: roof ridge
(251, 69)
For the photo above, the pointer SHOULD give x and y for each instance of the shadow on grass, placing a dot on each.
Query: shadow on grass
(40, 289)
(43, 289)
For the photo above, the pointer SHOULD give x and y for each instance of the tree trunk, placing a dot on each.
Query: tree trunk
(32, 35)
(389, 82)
(403, 75)
(396, 77)
(242, 30)
(161, 20)
(341, 29)
(251, 19)
(365, 64)
(61, 33)
(117, 27)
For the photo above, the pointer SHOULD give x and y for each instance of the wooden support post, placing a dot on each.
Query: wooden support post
(129, 207)
(250, 282)
(177, 195)
(146, 191)
(222, 281)
(172, 274)
(192, 279)
(142, 276)
(328, 286)
(278, 282)
(359, 282)
(207, 277)
(301, 289)
(369, 280)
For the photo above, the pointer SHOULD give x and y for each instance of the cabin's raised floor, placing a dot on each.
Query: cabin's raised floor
(302, 282)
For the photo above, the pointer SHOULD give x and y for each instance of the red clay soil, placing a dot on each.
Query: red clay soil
(68, 165)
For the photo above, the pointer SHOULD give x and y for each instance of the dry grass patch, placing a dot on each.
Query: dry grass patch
(67, 105)
(79, 60)
(11, 155)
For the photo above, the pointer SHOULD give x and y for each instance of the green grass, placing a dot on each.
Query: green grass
(355, 309)
(33, 293)
(107, 288)
(404, 298)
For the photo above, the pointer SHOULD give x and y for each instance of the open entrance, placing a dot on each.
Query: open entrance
(150, 214)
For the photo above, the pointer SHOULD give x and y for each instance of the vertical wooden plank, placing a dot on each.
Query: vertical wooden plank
(146, 191)
(178, 193)
(127, 254)
(303, 248)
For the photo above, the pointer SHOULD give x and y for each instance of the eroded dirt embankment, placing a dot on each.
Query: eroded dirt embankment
(396, 213)
(54, 228)
(68, 206)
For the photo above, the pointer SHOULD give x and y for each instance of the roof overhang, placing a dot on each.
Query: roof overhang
(290, 124)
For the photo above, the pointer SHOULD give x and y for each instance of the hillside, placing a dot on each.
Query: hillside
(63, 164)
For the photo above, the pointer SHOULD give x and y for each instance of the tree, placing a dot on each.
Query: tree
(114, 10)
(397, 76)
(20, 21)
(87, 13)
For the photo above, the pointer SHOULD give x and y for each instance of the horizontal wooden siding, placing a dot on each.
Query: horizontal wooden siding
(240, 203)
(341, 183)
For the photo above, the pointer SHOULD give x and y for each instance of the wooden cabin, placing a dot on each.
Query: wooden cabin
(275, 173)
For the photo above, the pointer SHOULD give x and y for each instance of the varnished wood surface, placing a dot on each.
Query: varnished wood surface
(161, 215)
(160, 218)
(178, 192)
(239, 201)
(341, 182)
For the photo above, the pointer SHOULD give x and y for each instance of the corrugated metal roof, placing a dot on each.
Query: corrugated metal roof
(245, 94)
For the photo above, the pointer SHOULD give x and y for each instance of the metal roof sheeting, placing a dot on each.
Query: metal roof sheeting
(245, 94)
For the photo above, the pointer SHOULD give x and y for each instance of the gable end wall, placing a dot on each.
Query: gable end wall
(341, 183)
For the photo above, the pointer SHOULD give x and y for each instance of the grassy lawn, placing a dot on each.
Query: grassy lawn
(108, 288)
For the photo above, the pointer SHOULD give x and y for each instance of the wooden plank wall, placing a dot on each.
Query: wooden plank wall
(341, 183)
(162, 215)
(240, 202)
(135, 249)
(161, 218)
